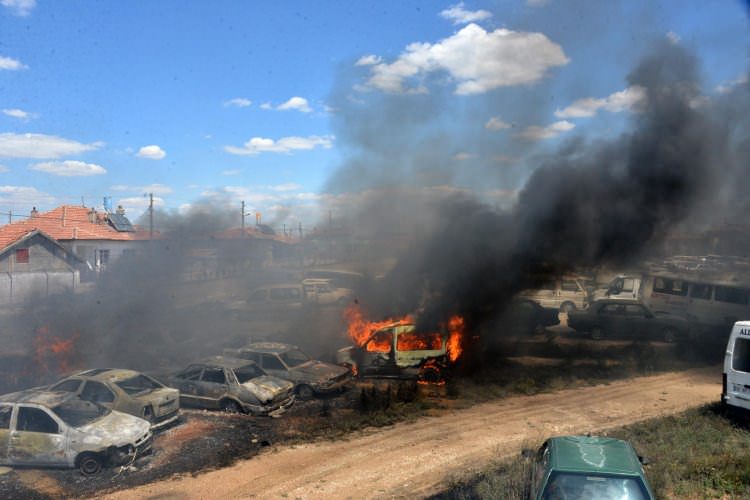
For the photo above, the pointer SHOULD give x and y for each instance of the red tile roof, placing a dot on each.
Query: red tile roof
(65, 223)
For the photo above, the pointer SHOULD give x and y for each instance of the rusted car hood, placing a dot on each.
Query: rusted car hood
(317, 371)
(116, 428)
(267, 387)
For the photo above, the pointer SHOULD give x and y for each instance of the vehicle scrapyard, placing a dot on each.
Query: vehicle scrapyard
(472, 251)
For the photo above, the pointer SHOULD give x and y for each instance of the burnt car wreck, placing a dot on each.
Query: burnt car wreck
(232, 385)
(310, 377)
(398, 350)
(53, 429)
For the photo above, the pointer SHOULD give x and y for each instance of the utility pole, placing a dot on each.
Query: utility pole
(150, 216)
(285, 230)
(243, 218)
(10, 216)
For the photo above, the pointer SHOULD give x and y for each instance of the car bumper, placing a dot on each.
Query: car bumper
(334, 387)
(165, 420)
(272, 410)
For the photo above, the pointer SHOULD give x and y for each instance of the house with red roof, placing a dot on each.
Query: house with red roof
(95, 238)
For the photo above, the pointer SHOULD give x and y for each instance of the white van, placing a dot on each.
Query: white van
(735, 387)
(566, 293)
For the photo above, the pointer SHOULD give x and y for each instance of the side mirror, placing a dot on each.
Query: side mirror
(644, 460)
(527, 453)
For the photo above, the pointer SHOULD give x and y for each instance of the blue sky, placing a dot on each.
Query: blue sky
(233, 100)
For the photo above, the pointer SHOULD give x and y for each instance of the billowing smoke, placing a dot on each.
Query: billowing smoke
(586, 204)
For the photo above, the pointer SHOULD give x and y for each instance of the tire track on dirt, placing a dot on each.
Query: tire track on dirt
(414, 459)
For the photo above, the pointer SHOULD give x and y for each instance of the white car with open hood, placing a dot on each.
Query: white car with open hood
(41, 428)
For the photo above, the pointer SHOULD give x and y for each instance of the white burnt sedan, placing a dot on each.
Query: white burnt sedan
(55, 429)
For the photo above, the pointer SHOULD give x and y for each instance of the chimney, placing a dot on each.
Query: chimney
(34, 212)
(120, 210)
(92, 215)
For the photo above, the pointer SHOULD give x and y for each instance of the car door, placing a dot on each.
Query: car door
(96, 392)
(187, 382)
(37, 438)
(6, 411)
(272, 365)
(212, 385)
(640, 323)
(611, 318)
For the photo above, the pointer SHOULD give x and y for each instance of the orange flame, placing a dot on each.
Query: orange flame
(53, 353)
(359, 329)
(455, 334)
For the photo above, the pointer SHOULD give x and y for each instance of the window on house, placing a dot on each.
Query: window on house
(103, 257)
(22, 256)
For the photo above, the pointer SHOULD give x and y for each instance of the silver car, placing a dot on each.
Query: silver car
(233, 385)
(40, 428)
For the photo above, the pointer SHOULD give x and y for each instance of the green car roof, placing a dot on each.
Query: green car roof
(584, 454)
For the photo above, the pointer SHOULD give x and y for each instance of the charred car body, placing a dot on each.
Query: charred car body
(233, 385)
(41, 428)
(397, 350)
(127, 391)
(286, 361)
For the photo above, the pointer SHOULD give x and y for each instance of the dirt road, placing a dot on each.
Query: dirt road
(414, 459)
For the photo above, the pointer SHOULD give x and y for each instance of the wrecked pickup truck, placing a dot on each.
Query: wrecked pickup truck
(232, 385)
(398, 350)
(39, 428)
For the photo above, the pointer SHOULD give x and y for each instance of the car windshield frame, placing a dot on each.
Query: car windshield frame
(132, 391)
(78, 413)
(293, 363)
(639, 490)
(241, 379)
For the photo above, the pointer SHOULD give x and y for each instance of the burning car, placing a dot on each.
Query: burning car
(233, 385)
(39, 428)
(286, 361)
(397, 349)
(127, 391)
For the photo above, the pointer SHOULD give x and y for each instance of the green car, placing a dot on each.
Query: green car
(583, 467)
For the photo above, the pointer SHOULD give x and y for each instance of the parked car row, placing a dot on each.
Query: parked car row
(105, 416)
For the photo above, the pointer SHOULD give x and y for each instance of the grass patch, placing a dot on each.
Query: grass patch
(694, 455)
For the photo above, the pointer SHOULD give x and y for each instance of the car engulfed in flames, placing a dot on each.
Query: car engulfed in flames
(394, 348)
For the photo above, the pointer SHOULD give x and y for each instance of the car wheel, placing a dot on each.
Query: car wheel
(669, 335)
(597, 333)
(305, 392)
(567, 307)
(89, 464)
(231, 406)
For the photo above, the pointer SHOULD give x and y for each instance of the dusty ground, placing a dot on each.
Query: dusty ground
(414, 459)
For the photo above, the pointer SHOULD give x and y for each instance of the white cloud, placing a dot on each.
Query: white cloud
(288, 186)
(258, 145)
(728, 86)
(40, 146)
(235, 171)
(69, 168)
(238, 102)
(19, 113)
(459, 15)
(19, 7)
(295, 103)
(152, 152)
(476, 59)
(463, 156)
(150, 188)
(673, 37)
(138, 204)
(368, 60)
(11, 64)
(496, 123)
(536, 133)
(24, 195)
(625, 100)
